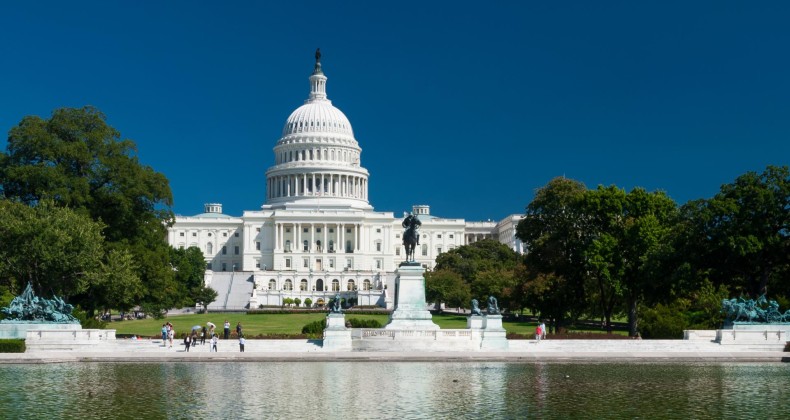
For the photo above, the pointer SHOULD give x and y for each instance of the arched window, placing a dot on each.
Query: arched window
(272, 284)
(288, 245)
(318, 245)
(366, 284)
(319, 285)
(424, 250)
(331, 246)
(306, 245)
(303, 285)
(350, 285)
(288, 285)
(209, 248)
(335, 285)
(348, 246)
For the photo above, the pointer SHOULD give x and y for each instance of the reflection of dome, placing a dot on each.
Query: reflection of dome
(317, 116)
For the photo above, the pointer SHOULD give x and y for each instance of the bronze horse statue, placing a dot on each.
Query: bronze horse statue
(411, 236)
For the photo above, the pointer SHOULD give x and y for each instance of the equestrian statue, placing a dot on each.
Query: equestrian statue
(411, 235)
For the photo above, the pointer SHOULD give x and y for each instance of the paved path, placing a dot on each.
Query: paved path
(309, 351)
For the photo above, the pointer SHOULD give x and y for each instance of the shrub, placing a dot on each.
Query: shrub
(297, 302)
(664, 321)
(86, 321)
(308, 303)
(364, 323)
(314, 328)
(12, 345)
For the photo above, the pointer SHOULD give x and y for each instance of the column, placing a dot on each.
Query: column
(297, 238)
(276, 237)
(358, 236)
(341, 233)
(325, 242)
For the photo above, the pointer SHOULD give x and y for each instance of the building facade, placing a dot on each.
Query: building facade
(317, 235)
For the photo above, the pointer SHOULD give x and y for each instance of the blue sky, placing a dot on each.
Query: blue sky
(466, 106)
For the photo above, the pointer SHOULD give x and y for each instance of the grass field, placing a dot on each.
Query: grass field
(278, 324)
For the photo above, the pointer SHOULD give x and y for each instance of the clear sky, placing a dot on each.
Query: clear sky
(466, 106)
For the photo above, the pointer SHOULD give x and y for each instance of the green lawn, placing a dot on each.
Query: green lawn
(271, 324)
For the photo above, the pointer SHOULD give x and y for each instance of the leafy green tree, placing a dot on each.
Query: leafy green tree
(205, 296)
(741, 236)
(308, 303)
(287, 301)
(447, 286)
(553, 230)
(56, 249)
(117, 284)
(189, 268)
(76, 160)
(297, 302)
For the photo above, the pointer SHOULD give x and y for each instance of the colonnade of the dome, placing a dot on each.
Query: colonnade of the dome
(325, 154)
(317, 184)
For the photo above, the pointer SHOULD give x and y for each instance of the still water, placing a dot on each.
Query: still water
(402, 390)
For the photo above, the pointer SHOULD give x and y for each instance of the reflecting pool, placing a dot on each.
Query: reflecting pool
(406, 390)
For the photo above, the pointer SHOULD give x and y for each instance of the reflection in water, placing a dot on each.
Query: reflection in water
(394, 390)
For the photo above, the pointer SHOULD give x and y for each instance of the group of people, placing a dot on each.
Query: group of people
(199, 336)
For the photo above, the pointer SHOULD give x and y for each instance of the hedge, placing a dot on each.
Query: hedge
(12, 345)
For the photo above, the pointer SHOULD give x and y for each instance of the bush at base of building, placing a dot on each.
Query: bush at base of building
(663, 321)
(315, 328)
(364, 323)
(12, 346)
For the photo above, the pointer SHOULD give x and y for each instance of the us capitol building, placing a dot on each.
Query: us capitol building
(317, 235)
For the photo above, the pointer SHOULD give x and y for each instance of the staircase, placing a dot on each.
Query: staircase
(233, 291)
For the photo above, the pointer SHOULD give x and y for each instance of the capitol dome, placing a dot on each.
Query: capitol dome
(317, 159)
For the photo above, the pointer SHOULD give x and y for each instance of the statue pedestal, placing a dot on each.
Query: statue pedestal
(494, 336)
(410, 312)
(336, 336)
(19, 329)
(474, 322)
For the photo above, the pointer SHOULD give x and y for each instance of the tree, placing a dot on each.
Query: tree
(553, 230)
(205, 296)
(741, 236)
(76, 160)
(189, 268)
(447, 286)
(297, 302)
(308, 303)
(56, 249)
(287, 301)
(117, 285)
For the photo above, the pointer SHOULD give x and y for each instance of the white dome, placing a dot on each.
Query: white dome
(317, 116)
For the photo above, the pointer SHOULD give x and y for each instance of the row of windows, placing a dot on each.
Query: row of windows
(224, 234)
(319, 285)
(317, 154)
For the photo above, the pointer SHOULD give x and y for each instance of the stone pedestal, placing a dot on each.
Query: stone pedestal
(410, 312)
(336, 336)
(12, 329)
(494, 335)
(474, 322)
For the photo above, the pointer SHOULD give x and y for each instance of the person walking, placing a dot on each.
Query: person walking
(164, 335)
(238, 329)
(203, 334)
(227, 329)
(538, 333)
(187, 342)
(170, 335)
(241, 343)
(542, 330)
(214, 341)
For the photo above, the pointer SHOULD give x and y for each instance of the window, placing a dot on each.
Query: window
(209, 266)
(378, 230)
(319, 285)
(451, 236)
(257, 263)
(236, 250)
(236, 234)
(318, 230)
(438, 250)
(331, 230)
(288, 285)
(287, 263)
(331, 245)
(257, 246)
(439, 236)
(331, 263)
(378, 264)
(350, 285)
(366, 284)
(305, 262)
(272, 284)
(424, 250)
(224, 266)
(335, 285)
(305, 245)
(304, 230)
(257, 229)
(181, 245)
(224, 251)
(225, 234)
(397, 235)
(378, 246)
(288, 246)
(348, 230)
(194, 233)
(209, 248)
(287, 230)
(303, 285)
(181, 234)
(397, 251)
(348, 262)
